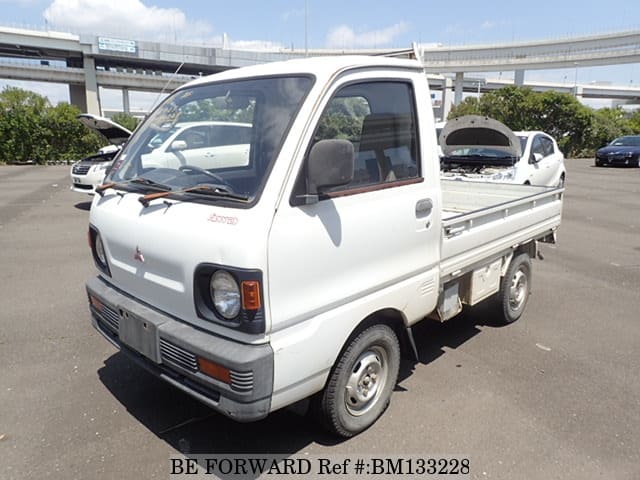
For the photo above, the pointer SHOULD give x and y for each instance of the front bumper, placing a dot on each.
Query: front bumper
(617, 160)
(170, 350)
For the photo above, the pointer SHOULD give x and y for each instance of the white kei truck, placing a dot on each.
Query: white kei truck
(296, 274)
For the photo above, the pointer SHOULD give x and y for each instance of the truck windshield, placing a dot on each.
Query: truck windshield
(225, 134)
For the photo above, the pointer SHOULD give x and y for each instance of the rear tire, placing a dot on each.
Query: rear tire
(515, 289)
(360, 385)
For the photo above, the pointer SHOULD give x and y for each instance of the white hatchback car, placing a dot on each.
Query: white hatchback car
(89, 172)
(482, 149)
(206, 144)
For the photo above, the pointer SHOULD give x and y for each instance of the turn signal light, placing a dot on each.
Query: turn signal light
(214, 370)
(251, 295)
(96, 303)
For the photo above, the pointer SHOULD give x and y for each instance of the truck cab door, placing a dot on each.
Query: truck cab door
(373, 243)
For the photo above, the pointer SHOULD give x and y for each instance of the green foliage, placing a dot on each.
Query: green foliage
(343, 119)
(513, 106)
(468, 106)
(21, 129)
(33, 130)
(127, 121)
(609, 123)
(218, 110)
(578, 129)
(634, 122)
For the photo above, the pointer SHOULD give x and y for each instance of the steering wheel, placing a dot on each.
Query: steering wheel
(193, 168)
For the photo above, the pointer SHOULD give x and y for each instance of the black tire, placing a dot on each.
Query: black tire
(515, 289)
(368, 368)
(561, 181)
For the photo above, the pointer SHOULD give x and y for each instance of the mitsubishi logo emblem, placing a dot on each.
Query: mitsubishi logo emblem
(138, 255)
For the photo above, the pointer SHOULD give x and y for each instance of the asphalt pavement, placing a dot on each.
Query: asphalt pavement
(555, 395)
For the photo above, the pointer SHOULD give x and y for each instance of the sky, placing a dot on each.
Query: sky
(330, 24)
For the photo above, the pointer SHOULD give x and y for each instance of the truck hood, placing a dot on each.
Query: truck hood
(114, 133)
(475, 131)
(153, 252)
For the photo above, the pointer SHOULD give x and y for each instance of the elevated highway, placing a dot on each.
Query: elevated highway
(85, 62)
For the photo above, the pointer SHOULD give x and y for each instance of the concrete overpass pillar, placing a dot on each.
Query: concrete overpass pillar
(85, 97)
(459, 85)
(125, 101)
(447, 99)
(78, 97)
(519, 78)
(578, 92)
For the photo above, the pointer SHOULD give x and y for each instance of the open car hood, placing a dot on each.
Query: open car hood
(475, 131)
(114, 133)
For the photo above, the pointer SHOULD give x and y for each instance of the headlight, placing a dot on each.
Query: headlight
(507, 174)
(225, 294)
(98, 252)
(102, 258)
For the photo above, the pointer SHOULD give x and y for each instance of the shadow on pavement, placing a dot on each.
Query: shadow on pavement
(192, 428)
(432, 336)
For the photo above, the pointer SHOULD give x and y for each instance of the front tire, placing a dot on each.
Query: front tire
(360, 385)
(515, 289)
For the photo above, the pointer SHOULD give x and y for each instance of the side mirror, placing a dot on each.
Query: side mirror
(330, 164)
(535, 158)
(178, 146)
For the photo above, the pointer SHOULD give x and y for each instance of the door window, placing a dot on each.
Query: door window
(379, 119)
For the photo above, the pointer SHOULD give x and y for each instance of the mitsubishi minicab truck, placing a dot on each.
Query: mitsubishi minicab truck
(290, 262)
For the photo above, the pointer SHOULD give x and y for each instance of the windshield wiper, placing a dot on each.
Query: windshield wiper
(150, 183)
(138, 180)
(209, 189)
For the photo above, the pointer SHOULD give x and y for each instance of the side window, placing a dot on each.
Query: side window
(195, 137)
(379, 119)
(547, 146)
(538, 146)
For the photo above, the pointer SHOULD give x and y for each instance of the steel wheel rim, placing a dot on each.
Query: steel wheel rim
(518, 290)
(366, 381)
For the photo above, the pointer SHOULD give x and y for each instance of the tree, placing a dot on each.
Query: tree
(609, 123)
(468, 106)
(127, 121)
(514, 106)
(21, 128)
(634, 122)
(520, 108)
(66, 137)
(563, 117)
(32, 130)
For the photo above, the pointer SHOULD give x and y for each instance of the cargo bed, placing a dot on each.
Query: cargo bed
(482, 220)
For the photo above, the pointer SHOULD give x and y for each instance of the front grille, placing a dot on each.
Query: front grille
(111, 317)
(178, 356)
(242, 381)
(82, 186)
(172, 354)
(81, 168)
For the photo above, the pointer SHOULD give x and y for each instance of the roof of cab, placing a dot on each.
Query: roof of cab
(317, 66)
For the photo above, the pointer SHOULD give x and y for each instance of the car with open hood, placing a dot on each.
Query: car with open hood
(623, 151)
(477, 148)
(89, 172)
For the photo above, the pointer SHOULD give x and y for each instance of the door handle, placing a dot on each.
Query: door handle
(424, 207)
